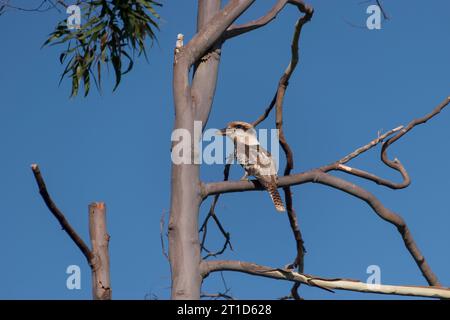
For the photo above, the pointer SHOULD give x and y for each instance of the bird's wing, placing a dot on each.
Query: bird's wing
(266, 162)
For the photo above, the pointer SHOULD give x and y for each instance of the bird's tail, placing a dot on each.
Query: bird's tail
(276, 198)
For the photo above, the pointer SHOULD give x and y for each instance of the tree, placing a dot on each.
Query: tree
(193, 99)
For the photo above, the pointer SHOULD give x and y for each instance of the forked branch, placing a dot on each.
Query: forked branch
(320, 176)
(236, 30)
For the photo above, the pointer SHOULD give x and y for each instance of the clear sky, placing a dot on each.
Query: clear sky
(114, 147)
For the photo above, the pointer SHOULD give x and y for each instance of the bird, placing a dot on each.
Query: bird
(255, 160)
(179, 44)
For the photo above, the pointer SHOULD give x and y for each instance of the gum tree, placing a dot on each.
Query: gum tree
(193, 99)
(116, 30)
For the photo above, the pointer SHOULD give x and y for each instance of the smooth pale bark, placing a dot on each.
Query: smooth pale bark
(329, 284)
(193, 103)
(186, 195)
(206, 70)
(101, 283)
(184, 245)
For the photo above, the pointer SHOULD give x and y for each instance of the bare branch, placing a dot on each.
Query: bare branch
(369, 146)
(266, 112)
(98, 257)
(44, 5)
(317, 176)
(395, 164)
(236, 30)
(279, 101)
(385, 15)
(284, 80)
(217, 296)
(212, 214)
(328, 284)
(340, 164)
(374, 178)
(238, 186)
(204, 228)
(220, 295)
(60, 216)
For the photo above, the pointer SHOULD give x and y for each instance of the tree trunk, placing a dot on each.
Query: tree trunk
(190, 105)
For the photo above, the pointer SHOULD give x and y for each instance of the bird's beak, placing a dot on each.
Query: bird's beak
(222, 132)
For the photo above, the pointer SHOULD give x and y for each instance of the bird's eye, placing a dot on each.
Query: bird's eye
(238, 126)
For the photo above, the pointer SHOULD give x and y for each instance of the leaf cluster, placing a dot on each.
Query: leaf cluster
(111, 33)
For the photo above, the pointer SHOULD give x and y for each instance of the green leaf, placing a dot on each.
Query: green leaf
(114, 30)
(117, 65)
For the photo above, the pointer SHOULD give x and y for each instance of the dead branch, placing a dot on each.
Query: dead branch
(277, 101)
(217, 296)
(236, 30)
(395, 164)
(98, 257)
(339, 165)
(383, 11)
(101, 282)
(369, 146)
(281, 91)
(328, 284)
(284, 80)
(318, 176)
(44, 6)
(59, 215)
(220, 295)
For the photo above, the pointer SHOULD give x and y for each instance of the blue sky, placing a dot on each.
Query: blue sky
(114, 147)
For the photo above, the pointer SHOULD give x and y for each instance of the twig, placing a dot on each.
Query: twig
(216, 296)
(385, 15)
(161, 234)
(340, 164)
(39, 8)
(220, 295)
(212, 214)
(369, 146)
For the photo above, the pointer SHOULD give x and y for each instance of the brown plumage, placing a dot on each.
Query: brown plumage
(255, 160)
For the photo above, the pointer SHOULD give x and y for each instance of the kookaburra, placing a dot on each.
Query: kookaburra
(255, 160)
